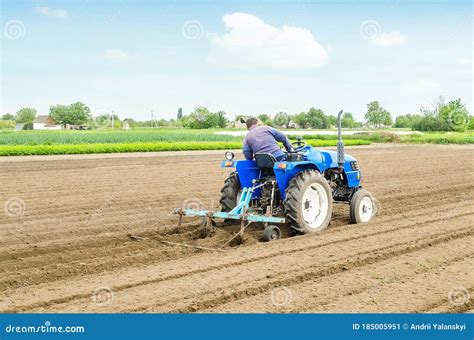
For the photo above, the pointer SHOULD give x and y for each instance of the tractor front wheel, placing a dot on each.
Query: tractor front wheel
(362, 207)
(308, 202)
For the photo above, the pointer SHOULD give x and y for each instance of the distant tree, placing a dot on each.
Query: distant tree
(332, 120)
(74, 114)
(7, 124)
(25, 115)
(377, 115)
(180, 114)
(221, 119)
(442, 116)
(301, 119)
(403, 121)
(59, 112)
(8, 116)
(348, 121)
(407, 121)
(317, 119)
(429, 123)
(211, 120)
(470, 126)
(162, 122)
(202, 118)
(454, 115)
(265, 119)
(281, 119)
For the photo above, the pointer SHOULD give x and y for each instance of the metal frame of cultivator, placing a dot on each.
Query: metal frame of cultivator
(239, 213)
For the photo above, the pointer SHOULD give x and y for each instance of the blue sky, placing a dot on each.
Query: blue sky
(244, 57)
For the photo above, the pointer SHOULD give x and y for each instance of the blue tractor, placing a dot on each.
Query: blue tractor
(298, 193)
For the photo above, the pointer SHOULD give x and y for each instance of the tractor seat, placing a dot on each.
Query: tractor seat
(265, 162)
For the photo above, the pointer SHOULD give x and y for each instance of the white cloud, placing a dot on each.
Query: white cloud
(250, 42)
(116, 55)
(52, 12)
(389, 39)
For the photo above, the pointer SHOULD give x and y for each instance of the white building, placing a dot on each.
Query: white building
(45, 123)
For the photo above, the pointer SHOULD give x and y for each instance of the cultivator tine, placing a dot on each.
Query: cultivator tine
(242, 229)
(208, 226)
(180, 218)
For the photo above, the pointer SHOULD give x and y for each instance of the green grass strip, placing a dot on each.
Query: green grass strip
(333, 142)
(64, 149)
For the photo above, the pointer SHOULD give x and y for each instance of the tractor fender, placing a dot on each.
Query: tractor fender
(285, 171)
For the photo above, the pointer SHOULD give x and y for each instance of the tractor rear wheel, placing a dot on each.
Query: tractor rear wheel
(308, 202)
(230, 193)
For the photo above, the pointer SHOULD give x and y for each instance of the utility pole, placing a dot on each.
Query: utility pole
(113, 119)
(153, 120)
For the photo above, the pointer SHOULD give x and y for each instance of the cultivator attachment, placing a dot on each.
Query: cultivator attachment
(239, 213)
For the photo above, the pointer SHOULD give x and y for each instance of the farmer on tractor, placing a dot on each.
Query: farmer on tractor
(298, 193)
(263, 139)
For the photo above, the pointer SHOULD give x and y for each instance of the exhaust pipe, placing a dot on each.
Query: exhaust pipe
(340, 143)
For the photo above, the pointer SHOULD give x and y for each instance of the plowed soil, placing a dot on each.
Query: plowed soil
(85, 234)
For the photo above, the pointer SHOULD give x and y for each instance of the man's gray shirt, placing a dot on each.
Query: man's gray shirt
(263, 139)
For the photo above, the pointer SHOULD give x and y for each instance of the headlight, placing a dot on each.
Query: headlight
(229, 155)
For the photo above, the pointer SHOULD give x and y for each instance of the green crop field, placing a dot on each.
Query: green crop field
(174, 139)
(111, 136)
(57, 149)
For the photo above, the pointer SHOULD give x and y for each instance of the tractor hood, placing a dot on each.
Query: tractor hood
(330, 158)
(326, 159)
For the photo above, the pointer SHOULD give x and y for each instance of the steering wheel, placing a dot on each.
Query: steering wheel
(299, 144)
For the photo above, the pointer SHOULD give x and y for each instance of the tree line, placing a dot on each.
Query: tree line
(450, 116)
(444, 116)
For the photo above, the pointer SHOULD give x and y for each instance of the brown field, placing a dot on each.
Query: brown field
(71, 250)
